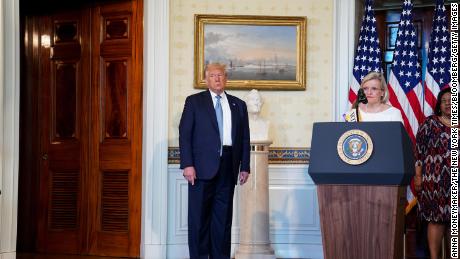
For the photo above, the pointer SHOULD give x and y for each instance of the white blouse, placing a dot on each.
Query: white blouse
(390, 114)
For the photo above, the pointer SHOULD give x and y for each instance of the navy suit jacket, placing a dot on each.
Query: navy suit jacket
(199, 138)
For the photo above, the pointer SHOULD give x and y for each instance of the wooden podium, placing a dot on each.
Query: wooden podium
(362, 206)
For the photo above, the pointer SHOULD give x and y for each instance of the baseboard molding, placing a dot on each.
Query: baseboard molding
(10, 255)
(153, 251)
(282, 251)
(298, 251)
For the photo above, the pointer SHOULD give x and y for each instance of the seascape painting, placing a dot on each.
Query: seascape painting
(260, 52)
(252, 52)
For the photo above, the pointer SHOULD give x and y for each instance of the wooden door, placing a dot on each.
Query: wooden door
(116, 123)
(64, 107)
(89, 88)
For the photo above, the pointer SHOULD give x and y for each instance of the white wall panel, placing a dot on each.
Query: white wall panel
(294, 214)
(177, 208)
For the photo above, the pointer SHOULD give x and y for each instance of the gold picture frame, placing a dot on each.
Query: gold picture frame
(261, 52)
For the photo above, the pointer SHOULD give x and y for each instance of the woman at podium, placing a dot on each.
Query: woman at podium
(376, 107)
(432, 173)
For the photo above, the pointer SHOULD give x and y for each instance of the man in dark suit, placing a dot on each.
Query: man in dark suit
(214, 149)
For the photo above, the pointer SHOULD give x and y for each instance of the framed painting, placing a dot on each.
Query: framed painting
(261, 52)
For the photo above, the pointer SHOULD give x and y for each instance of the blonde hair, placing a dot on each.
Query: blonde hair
(383, 86)
(218, 66)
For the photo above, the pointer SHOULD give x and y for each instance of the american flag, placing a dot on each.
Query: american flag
(405, 80)
(437, 74)
(367, 56)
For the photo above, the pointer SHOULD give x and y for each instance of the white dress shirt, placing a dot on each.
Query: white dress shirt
(227, 117)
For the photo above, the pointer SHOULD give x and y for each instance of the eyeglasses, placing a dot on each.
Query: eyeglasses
(371, 89)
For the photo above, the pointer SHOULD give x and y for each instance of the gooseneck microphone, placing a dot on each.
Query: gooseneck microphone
(362, 96)
(361, 99)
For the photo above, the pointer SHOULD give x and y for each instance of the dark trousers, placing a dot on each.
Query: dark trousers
(210, 207)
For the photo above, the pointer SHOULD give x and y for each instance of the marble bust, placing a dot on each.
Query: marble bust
(257, 125)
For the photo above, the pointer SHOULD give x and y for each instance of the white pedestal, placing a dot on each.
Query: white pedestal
(254, 208)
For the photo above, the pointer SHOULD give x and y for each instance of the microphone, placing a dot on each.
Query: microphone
(361, 99)
(362, 96)
(353, 114)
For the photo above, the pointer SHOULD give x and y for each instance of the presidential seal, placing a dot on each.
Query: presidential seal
(355, 147)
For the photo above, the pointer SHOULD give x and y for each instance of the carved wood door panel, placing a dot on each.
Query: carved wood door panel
(64, 108)
(90, 103)
(116, 124)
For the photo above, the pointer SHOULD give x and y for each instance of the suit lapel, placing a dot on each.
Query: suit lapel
(234, 111)
(209, 107)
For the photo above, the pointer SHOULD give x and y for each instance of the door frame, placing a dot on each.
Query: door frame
(155, 130)
(155, 127)
(33, 24)
(9, 125)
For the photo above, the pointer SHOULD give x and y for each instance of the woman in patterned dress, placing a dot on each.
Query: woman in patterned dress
(432, 173)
